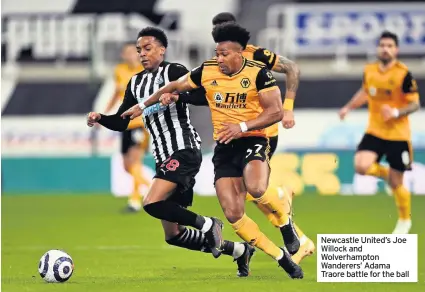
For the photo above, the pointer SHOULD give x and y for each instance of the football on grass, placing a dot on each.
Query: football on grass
(56, 266)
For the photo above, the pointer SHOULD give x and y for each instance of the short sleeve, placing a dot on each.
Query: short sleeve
(176, 71)
(265, 80)
(265, 56)
(195, 77)
(410, 88)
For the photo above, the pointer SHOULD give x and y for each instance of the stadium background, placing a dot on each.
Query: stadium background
(57, 66)
(57, 61)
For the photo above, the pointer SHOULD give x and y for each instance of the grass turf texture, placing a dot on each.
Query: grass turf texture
(113, 251)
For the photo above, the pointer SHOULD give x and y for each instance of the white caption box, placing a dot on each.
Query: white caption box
(367, 258)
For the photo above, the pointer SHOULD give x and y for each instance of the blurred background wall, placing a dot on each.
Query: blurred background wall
(58, 59)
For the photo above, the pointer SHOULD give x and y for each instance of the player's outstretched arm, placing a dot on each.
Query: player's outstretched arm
(114, 122)
(358, 100)
(195, 97)
(180, 85)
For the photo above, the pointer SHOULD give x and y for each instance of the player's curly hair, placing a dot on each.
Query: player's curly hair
(157, 33)
(389, 35)
(223, 17)
(230, 31)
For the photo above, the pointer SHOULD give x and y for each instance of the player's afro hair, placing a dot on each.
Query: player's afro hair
(230, 31)
(223, 17)
(389, 35)
(157, 33)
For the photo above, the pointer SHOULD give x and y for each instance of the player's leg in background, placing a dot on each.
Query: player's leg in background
(143, 144)
(366, 160)
(133, 165)
(399, 157)
(132, 155)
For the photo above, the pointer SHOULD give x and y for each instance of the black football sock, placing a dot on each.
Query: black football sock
(172, 212)
(191, 239)
(234, 249)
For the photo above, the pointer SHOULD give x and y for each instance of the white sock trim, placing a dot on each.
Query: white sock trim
(238, 250)
(280, 256)
(303, 239)
(207, 225)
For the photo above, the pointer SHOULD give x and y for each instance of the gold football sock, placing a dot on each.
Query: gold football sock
(402, 201)
(249, 231)
(138, 180)
(378, 170)
(270, 200)
(299, 231)
(270, 216)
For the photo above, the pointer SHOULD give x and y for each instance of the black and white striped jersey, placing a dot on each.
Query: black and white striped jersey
(169, 126)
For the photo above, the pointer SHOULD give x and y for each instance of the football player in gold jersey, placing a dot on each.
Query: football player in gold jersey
(244, 100)
(134, 141)
(278, 64)
(392, 95)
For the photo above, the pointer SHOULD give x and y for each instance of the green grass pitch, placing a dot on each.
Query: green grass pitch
(113, 251)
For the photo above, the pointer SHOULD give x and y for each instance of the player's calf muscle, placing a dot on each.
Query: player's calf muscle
(395, 178)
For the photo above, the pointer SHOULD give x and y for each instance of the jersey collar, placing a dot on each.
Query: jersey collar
(240, 70)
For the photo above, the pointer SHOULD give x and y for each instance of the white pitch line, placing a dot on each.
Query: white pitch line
(86, 247)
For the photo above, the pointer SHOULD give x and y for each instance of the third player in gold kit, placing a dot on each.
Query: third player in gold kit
(135, 140)
(391, 94)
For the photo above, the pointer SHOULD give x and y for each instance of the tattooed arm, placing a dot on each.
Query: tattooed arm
(282, 65)
(292, 72)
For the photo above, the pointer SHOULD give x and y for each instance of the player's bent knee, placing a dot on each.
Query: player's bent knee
(154, 209)
(233, 214)
(256, 190)
(362, 168)
(147, 201)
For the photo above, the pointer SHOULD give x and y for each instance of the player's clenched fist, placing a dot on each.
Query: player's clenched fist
(288, 119)
(92, 118)
(168, 98)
